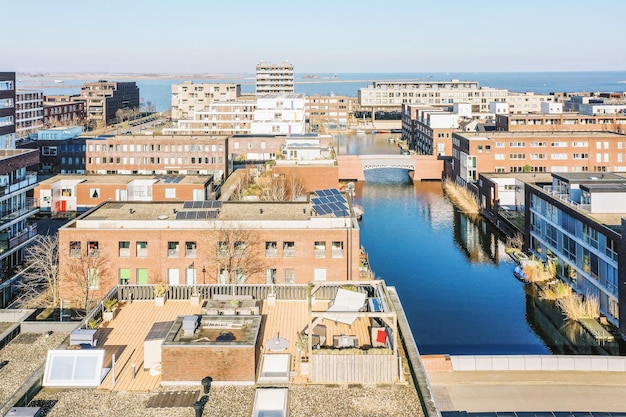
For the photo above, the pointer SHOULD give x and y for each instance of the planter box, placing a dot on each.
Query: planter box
(195, 300)
(159, 301)
(109, 315)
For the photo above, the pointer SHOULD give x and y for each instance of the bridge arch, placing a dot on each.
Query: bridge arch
(352, 167)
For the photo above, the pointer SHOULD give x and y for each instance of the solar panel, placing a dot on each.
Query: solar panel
(187, 204)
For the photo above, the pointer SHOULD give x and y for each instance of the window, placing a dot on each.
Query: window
(49, 150)
(93, 278)
(142, 249)
(569, 248)
(590, 236)
(270, 276)
(124, 276)
(222, 276)
(611, 249)
(337, 249)
(271, 249)
(92, 249)
(170, 193)
(222, 249)
(240, 249)
(173, 249)
(320, 249)
(290, 275)
(124, 249)
(190, 249)
(240, 276)
(142, 276)
(75, 251)
(289, 249)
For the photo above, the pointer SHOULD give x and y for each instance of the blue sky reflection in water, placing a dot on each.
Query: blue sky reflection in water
(418, 242)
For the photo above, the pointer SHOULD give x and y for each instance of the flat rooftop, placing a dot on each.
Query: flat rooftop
(126, 179)
(536, 134)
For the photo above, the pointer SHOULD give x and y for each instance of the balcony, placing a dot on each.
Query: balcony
(23, 237)
(30, 179)
(564, 197)
(28, 209)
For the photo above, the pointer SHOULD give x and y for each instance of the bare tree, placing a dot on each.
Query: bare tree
(84, 274)
(39, 286)
(295, 187)
(236, 253)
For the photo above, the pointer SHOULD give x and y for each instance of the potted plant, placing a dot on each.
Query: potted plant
(110, 309)
(160, 290)
(235, 302)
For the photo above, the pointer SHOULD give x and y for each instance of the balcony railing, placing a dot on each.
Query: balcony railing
(25, 235)
(29, 206)
(30, 179)
(564, 197)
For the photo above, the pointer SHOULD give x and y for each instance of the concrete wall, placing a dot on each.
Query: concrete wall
(539, 363)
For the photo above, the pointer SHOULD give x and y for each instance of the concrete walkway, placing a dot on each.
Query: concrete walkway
(519, 391)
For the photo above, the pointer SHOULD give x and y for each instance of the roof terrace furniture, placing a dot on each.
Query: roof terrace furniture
(343, 341)
(319, 334)
(346, 301)
(83, 336)
(379, 336)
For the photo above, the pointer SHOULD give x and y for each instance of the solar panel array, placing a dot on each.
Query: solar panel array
(330, 201)
(170, 179)
(205, 204)
(199, 210)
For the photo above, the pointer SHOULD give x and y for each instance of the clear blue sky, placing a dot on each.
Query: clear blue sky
(205, 36)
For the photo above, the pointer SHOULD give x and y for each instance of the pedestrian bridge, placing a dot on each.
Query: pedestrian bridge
(353, 167)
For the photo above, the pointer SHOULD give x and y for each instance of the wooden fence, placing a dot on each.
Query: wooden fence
(347, 368)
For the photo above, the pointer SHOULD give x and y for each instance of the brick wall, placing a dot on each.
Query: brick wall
(220, 363)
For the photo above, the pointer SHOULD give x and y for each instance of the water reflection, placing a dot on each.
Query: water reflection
(453, 276)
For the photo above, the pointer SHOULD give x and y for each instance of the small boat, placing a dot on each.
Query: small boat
(518, 272)
(59, 81)
(390, 139)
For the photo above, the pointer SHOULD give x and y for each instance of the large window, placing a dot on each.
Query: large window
(93, 278)
(569, 248)
(222, 249)
(240, 249)
(190, 249)
(142, 249)
(173, 249)
(124, 249)
(290, 275)
(92, 249)
(289, 249)
(320, 249)
(75, 251)
(142, 276)
(590, 236)
(124, 275)
(270, 276)
(337, 249)
(271, 249)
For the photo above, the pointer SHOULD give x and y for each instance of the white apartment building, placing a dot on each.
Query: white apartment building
(274, 78)
(221, 118)
(28, 112)
(279, 114)
(390, 95)
(527, 102)
(593, 109)
(188, 98)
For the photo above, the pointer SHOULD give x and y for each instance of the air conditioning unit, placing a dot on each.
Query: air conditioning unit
(4, 180)
(24, 412)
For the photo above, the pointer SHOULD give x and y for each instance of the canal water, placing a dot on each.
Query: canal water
(453, 276)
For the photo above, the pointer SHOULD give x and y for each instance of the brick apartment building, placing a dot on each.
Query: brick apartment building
(501, 152)
(150, 242)
(64, 195)
(560, 122)
(147, 155)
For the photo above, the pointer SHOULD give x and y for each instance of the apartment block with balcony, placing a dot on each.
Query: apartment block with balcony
(279, 114)
(28, 112)
(561, 122)
(15, 206)
(577, 222)
(189, 98)
(63, 114)
(391, 95)
(149, 155)
(527, 102)
(499, 152)
(7, 110)
(274, 78)
(150, 242)
(104, 98)
(220, 118)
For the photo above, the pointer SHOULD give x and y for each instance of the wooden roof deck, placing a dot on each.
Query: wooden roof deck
(124, 336)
